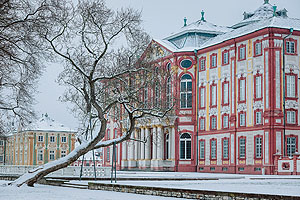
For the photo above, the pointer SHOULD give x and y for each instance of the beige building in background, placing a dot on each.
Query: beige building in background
(39, 143)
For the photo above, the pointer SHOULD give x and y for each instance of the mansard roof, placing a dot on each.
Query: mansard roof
(196, 33)
(265, 11)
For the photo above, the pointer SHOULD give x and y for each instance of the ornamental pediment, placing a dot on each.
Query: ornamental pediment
(156, 51)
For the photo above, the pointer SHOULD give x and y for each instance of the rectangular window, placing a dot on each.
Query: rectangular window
(213, 149)
(225, 121)
(202, 64)
(290, 86)
(258, 117)
(1, 142)
(40, 138)
(258, 87)
(202, 97)
(202, 124)
(1, 158)
(242, 89)
(225, 93)
(242, 148)
(52, 138)
(213, 95)
(291, 145)
(202, 149)
(258, 48)
(225, 149)
(213, 61)
(214, 122)
(291, 117)
(242, 119)
(258, 147)
(63, 139)
(116, 133)
(63, 153)
(242, 53)
(290, 47)
(40, 155)
(225, 58)
(51, 155)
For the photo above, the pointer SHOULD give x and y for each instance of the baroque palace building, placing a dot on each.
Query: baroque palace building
(39, 143)
(232, 83)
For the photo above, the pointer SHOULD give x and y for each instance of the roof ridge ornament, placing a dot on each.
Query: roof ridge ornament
(184, 20)
(202, 16)
(274, 10)
(266, 1)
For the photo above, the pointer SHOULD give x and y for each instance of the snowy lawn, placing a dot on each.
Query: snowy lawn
(45, 192)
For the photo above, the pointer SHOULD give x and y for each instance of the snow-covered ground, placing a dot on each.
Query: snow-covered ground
(266, 184)
(45, 192)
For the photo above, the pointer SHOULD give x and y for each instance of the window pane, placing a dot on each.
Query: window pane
(188, 149)
(182, 149)
(189, 100)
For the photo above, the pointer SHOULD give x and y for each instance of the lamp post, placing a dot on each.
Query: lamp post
(283, 82)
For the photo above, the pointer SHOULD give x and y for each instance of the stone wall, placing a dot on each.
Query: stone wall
(185, 193)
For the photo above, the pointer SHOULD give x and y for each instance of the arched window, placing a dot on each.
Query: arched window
(185, 146)
(186, 91)
(169, 67)
(167, 155)
(168, 93)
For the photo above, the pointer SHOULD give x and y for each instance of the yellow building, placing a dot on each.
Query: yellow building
(39, 143)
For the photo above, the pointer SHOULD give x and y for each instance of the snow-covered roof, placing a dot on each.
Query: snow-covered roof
(45, 123)
(194, 34)
(263, 12)
(273, 22)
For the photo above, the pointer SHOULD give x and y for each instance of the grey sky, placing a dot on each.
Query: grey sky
(160, 18)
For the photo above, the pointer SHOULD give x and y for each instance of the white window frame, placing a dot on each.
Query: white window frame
(226, 93)
(291, 86)
(242, 91)
(258, 117)
(226, 58)
(242, 53)
(225, 121)
(51, 155)
(185, 141)
(202, 97)
(242, 119)
(213, 148)
(40, 138)
(225, 148)
(185, 95)
(258, 81)
(52, 138)
(290, 47)
(258, 147)
(214, 95)
(202, 64)
(214, 61)
(202, 149)
(291, 117)
(40, 155)
(63, 153)
(291, 146)
(258, 48)
(202, 124)
(214, 122)
(169, 92)
(63, 139)
(242, 148)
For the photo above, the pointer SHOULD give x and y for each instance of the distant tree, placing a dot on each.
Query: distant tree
(21, 53)
(105, 71)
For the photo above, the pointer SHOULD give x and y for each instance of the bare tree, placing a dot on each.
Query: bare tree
(21, 56)
(105, 71)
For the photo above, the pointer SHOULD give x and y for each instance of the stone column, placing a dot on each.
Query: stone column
(160, 143)
(154, 143)
(148, 144)
(136, 144)
(124, 155)
(142, 143)
(172, 143)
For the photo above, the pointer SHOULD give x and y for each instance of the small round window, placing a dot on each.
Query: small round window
(186, 63)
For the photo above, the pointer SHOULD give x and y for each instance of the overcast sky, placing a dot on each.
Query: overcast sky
(160, 18)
